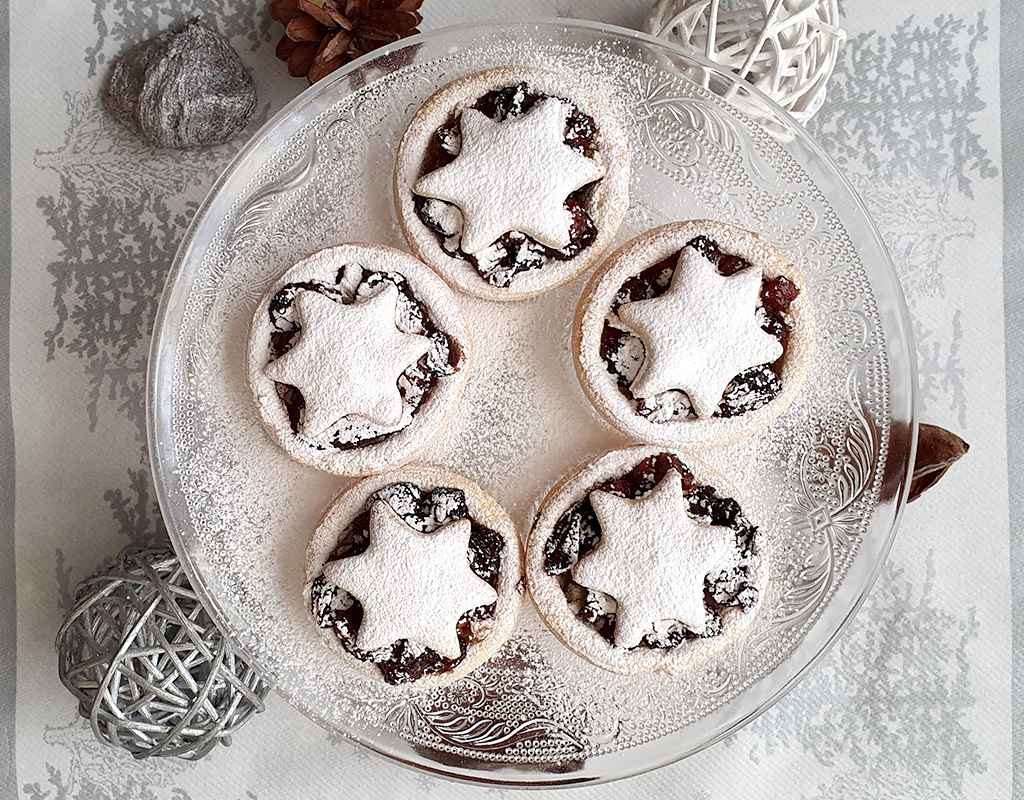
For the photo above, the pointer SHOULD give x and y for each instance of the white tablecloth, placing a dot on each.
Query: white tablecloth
(916, 701)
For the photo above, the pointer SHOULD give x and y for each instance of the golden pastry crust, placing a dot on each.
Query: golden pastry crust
(582, 638)
(611, 194)
(395, 448)
(482, 508)
(647, 249)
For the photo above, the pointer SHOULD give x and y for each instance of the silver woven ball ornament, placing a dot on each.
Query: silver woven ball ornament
(786, 48)
(151, 671)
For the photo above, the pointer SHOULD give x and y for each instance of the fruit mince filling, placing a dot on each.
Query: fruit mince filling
(404, 661)
(577, 532)
(623, 352)
(513, 252)
(353, 284)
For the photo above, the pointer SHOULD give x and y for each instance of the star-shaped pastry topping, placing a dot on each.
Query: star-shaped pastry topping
(348, 359)
(512, 176)
(700, 334)
(411, 585)
(653, 559)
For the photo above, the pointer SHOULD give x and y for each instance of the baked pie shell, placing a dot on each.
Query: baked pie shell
(601, 386)
(581, 637)
(611, 191)
(400, 446)
(483, 509)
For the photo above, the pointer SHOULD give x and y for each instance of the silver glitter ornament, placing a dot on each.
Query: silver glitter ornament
(184, 88)
(151, 671)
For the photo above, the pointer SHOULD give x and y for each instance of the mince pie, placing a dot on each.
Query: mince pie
(414, 577)
(512, 181)
(694, 333)
(356, 356)
(644, 562)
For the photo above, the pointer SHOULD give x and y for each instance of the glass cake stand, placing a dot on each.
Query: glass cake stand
(827, 481)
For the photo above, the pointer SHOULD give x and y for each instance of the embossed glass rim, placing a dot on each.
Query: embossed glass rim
(895, 479)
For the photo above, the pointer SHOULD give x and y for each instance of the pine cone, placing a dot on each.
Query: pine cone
(321, 35)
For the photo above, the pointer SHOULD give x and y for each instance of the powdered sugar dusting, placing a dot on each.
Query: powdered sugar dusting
(699, 334)
(651, 570)
(358, 318)
(697, 349)
(672, 554)
(411, 585)
(348, 360)
(415, 581)
(512, 176)
(245, 510)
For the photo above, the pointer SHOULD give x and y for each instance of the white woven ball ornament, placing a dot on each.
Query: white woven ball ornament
(786, 48)
(151, 671)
